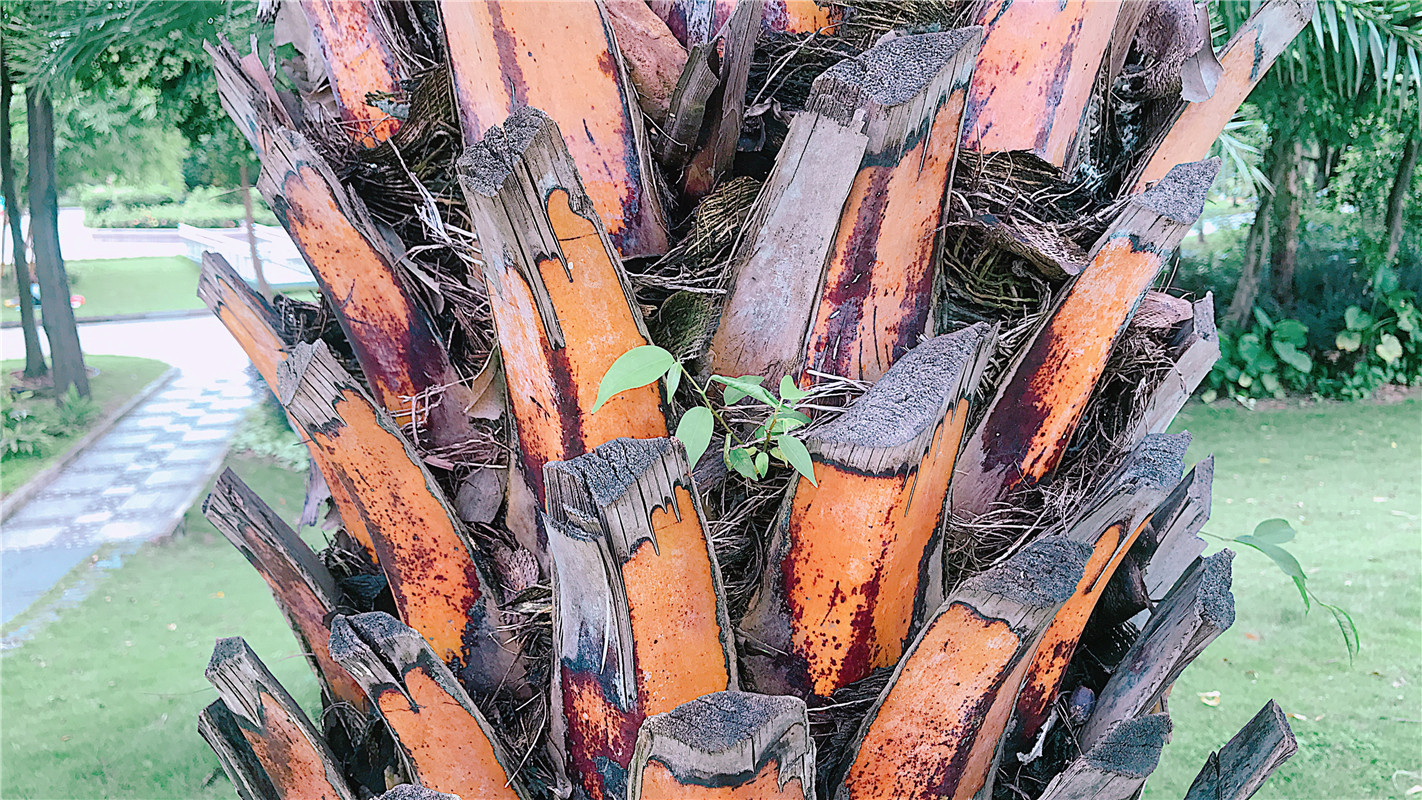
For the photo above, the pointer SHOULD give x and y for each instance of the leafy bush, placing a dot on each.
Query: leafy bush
(75, 412)
(21, 433)
(267, 433)
(1262, 361)
(110, 207)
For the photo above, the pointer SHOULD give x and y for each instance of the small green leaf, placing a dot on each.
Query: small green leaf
(694, 432)
(1250, 348)
(797, 456)
(746, 386)
(1389, 348)
(1357, 319)
(1262, 318)
(739, 459)
(791, 393)
(1344, 620)
(1293, 356)
(636, 367)
(1283, 559)
(1273, 531)
(1348, 341)
(673, 381)
(791, 413)
(1291, 331)
(762, 464)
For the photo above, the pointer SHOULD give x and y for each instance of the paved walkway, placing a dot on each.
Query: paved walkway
(134, 482)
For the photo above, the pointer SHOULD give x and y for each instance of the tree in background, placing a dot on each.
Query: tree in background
(34, 357)
(1359, 61)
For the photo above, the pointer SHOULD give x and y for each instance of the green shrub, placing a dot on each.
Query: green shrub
(202, 208)
(21, 433)
(1262, 361)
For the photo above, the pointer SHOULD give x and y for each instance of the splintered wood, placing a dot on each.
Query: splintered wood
(304, 589)
(1109, 525)
(403, 359)
(1040, 399)
(936, 729)
(296, 761)
(563, 309)
(506, 55)
(253, 323)
(438, 586)
(1117, 766)
(640, 620)
(1242, 766)
(728, 746)
(446, 741)
(1198, 608)
(852, 567)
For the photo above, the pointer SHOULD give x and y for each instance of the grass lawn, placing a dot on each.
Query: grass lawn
(119, 378)
(105, 704)
(1349, 479)
(124, 286)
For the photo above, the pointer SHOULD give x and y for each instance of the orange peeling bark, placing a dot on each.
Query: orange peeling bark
(358, 61)
(671, 597)
(450, 750)
(1034, 75)
(850, 595)
(296, 769)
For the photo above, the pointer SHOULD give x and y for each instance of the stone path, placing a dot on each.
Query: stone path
(130, 486)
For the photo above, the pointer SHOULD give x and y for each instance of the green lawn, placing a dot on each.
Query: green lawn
(104, 705)
(124, 286)
(119, 378)
(1349, 478)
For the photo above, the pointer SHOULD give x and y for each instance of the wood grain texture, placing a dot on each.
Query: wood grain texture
(1117, 767)
(220, 730)
(878, 283)
(1193, 352)
(1190, 130)
(251, 320)
(1171, 543)
(297, 761)
(936, 729)
(728, 746)
(726, 106)
(438, 584)
(393, 338)
(507, 55)
(1034, 77)
(1040, 399)
(361, 58)
(850, 572)
(1195, 611)
(445, 743)
(563, 308)
(1240, 768)
(640, 620)
(305, 591)
(1109, 524)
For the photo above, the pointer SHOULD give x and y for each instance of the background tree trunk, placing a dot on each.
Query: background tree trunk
(1287, 210)
(59, 327)
(1397, 198)
(262, 285)
(1256, 247)
(34, 356)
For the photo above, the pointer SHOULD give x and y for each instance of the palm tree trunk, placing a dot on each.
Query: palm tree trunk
(1256, 247)
(34, 356)
(59, 325)
(1397, 198)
